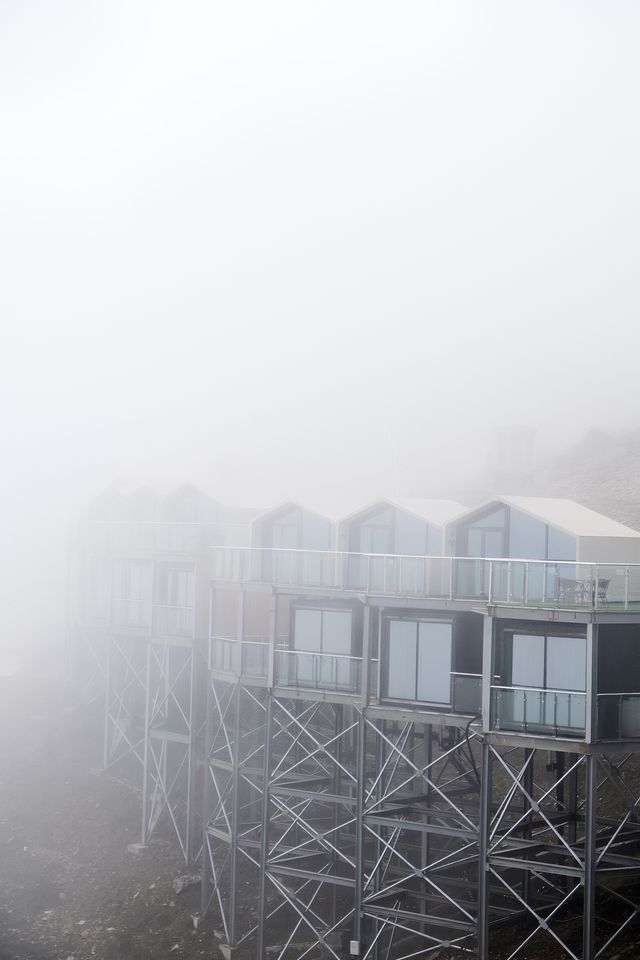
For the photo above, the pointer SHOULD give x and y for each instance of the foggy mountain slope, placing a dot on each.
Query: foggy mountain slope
(599, 470)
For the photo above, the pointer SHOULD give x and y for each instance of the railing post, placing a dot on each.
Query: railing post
(490, 589)
(361, 785)
(487, 671)
(451, 578)
(591, 684)
(483, 851)
(590, 839)
(626, 588)
(273, 639)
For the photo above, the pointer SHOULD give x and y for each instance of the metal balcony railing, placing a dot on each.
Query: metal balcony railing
(246, 658)
(172, 620)
(130, 538)
(569, 585)
(318, 671)
(618, 716)
(131, 613)
(535, 710)
(466, 693)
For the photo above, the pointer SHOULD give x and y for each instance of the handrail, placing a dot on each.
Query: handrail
(570, 584)
(498, 686)
(315, 653)
(628, 693)
(592, 564)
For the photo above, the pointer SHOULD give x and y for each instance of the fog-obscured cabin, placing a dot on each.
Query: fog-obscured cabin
(560, 532)
(140, 554)
(542, 528)
(293, 526)
(411, 528)
(188, 504)
(289, 541)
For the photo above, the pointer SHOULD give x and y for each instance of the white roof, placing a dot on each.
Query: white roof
(331, 517)
(567, 515)
(435, 512)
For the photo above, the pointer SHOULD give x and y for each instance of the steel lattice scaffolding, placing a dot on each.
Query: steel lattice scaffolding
(384, 831)
(170, 740)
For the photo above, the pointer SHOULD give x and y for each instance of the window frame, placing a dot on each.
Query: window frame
(387, 620)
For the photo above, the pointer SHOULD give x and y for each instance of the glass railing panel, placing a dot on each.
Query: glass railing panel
(173, 621)
(619, 716)
(224, 654)
(317, 671)
(471, 579)
(466, 693)
(255, 658)
(551, 712)
(506, 581)
(131, 613)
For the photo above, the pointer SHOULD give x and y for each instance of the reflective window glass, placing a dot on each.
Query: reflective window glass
(401, 679)
(528, 536)
(566, 663)
(528, 660)
(336, 632)
(434, 662)
(308, 630)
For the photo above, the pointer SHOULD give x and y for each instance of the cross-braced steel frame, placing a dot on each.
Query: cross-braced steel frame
(125, 699)
(383, 832)
(170, 740)
(564, 844)
(235, 751)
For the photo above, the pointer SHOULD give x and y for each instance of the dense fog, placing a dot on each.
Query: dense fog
(286, 249)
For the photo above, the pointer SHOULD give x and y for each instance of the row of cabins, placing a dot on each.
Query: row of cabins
(547, 570)
(411, 712)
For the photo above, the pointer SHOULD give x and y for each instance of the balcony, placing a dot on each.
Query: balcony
(556, 713)
(171, 620)
(130, 614)
(126, 538)
(242, 658)
(306, 670)
(535, 583)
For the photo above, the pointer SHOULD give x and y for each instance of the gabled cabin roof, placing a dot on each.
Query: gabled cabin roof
(437, 513)
(567, 515)
(291, 505)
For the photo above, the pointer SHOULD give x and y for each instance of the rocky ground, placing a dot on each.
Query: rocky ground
(69, 886)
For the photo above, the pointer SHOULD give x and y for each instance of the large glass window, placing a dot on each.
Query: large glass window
(98, 589)
(132, 594)
(411, 535)
(527, 536)
(561, 545)
(375, 533)
(527, 665)
(542, 683)
(286, 530)
(322, 648)
(174, 600)
(419, 660)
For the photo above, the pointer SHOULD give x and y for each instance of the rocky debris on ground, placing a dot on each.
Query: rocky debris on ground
(185, 881)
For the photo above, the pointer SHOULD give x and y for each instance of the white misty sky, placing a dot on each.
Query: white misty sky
(287, 246)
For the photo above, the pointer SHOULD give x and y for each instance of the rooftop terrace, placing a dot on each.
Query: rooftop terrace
(519, 582)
